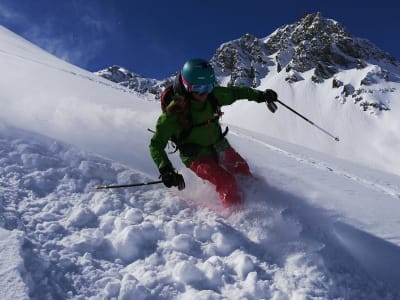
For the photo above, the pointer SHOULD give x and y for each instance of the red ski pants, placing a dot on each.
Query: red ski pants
(221, 174)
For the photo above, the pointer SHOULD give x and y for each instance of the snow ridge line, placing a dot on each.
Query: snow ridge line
(324, 166)
(110, 85)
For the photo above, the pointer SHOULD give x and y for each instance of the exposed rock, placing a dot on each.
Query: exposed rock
(348, 90)
(336, 83)
(375, 76)
(293, 76)
(133, 81)
(245, 60)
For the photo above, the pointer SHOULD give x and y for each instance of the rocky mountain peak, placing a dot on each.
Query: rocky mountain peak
(315, 27)
(315, 42)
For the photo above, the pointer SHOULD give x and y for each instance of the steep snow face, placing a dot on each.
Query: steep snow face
(368, 137)
(61, 100)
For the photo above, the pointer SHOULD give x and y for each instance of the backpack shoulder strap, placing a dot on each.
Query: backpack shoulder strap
(166, 97)
(176, 89)
(214, 102)
(179, 89)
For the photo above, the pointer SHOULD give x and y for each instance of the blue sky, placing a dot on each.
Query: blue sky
(154, 38)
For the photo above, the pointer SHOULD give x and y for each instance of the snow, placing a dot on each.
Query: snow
(12, 265)
(313, 226)
(376, 133)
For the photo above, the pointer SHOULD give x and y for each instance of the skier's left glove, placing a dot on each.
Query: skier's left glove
(269, 96)
(171, 178)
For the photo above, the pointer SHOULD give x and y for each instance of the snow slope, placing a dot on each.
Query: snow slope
(371, 139)
(313, 226)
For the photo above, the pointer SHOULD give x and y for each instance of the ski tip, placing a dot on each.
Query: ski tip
(337, 139)
(101, 187)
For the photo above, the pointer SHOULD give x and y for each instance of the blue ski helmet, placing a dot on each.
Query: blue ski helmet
(198, 71)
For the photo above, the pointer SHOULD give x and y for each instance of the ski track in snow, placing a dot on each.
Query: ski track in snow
(393, 191)
(147, 243)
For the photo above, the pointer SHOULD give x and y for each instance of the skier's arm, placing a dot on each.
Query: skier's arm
(228, 95)
(165, 128)
(164, 131)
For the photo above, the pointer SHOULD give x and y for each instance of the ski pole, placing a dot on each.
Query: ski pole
(102, 187)
(312, 123)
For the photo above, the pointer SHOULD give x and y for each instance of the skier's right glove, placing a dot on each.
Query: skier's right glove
(269, 96)
(171, 178)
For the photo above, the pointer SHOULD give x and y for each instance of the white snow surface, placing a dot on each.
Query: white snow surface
(12, 266)
(313, 225)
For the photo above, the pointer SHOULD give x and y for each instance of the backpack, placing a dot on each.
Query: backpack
(168, 95)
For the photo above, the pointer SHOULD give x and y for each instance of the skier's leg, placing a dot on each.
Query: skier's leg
(226, 186)
(234, 163)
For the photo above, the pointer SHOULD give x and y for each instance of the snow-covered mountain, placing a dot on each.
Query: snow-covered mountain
(316, 44)
(313, 226)
(313, 43)
(133, 81)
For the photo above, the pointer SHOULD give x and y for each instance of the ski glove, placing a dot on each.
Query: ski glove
(171, 178)
(269, 96)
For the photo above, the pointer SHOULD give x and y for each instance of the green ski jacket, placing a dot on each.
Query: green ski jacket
(205, 136)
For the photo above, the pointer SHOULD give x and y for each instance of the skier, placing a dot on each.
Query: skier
(191, 120)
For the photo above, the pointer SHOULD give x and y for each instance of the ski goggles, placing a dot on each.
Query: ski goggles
(199, 89)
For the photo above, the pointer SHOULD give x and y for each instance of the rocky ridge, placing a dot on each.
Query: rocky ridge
(133, 81)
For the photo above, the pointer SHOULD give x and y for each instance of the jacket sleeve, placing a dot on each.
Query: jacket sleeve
(165, 128)
(228, 95)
